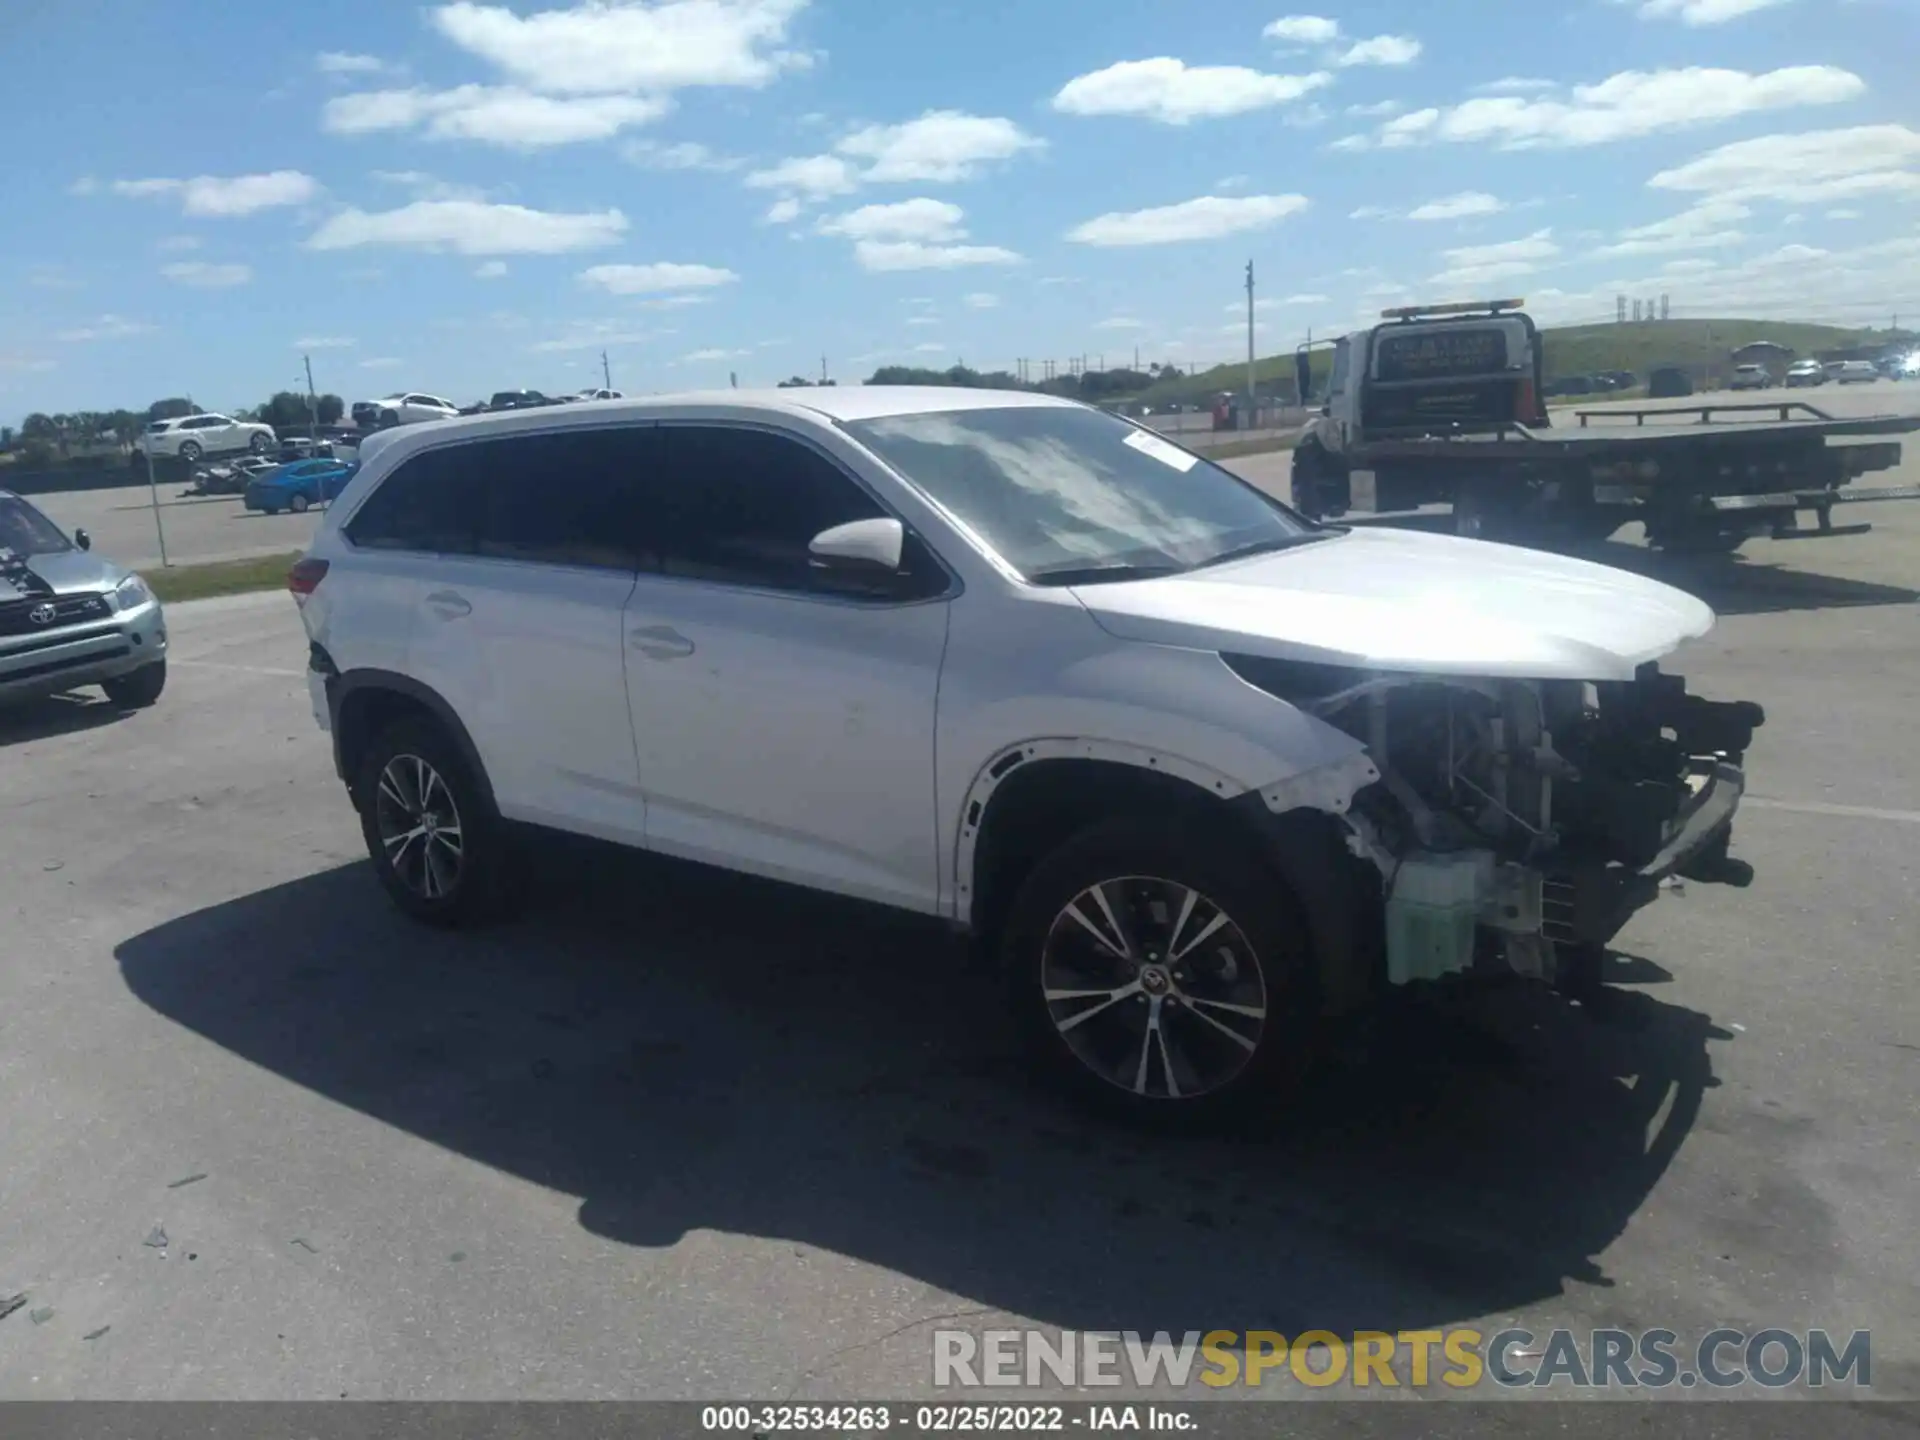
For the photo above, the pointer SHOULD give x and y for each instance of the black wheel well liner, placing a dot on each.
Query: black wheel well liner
(1044, 802)
(364, 702)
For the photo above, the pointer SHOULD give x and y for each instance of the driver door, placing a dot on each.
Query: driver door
(784, 722)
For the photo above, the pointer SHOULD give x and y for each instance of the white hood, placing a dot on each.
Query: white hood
(1382, 599)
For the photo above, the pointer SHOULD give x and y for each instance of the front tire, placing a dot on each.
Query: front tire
(298, 504)
(137, 689)
(436, 844)
(259, 443)
(191, 452)
(1159, 972)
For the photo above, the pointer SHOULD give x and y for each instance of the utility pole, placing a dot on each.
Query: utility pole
(606, 371)
(823, 369)
(1250, 390)
(1136, 358)
(313, 406)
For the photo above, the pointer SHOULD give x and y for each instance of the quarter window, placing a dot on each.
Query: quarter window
(423, 505)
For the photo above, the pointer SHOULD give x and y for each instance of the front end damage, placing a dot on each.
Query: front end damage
(1516, 826)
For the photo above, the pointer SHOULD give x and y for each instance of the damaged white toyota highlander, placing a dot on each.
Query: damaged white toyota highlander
(1200, 773)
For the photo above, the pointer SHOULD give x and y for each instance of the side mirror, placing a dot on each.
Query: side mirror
(865, 547)
(1302, 375)
(83, 539)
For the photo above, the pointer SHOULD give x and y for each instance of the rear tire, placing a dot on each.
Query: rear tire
(298, 504)
(437, 845)
(259, 444)
(137, 689)
(191, 452)
(1159, 973)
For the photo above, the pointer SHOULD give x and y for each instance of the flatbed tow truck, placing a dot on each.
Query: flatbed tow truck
(1443, 404)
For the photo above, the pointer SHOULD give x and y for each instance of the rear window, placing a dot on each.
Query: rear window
(1416, 354)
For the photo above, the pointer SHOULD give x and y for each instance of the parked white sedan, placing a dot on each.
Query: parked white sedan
(410, 407)
(193, 436)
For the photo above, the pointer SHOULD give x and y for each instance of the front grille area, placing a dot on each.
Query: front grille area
(16, 616)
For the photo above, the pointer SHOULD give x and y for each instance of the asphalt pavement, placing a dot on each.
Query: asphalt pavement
(673, 1134)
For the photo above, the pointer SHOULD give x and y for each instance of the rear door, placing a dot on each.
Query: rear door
(518, 623)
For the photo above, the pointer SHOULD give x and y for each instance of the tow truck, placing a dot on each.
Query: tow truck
(1443, 404)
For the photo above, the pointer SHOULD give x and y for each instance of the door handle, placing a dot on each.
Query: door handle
(448, 606)
(661, 642)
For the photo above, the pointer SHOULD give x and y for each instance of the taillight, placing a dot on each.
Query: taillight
(305, 577)
(1527, 407)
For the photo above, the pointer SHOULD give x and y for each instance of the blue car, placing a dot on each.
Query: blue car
(300, 486)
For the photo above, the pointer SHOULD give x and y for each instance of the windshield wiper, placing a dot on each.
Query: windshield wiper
(1266, 547)
(1100, 574)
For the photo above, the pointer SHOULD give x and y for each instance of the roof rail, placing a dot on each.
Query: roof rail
(1464, 307)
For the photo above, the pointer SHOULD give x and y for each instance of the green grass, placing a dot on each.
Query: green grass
(220, 577)
(1234, 449)
(1570, 350)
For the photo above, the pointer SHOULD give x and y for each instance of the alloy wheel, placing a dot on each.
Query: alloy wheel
(1154, 988)
(419, 827)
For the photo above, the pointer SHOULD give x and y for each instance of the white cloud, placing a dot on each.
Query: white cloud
(1207, 218)
(921, 219)
(1843, 215)
(1704, 12)
(932, 347)
(684, 155)
(1382, 50)
(85, 185)
(1303, 30)
(1476, 264)
(496, 115)
(980, 300)
(325, 342)
(923, 320)
(226, 196)
(599, 49)
(1121, 322)
(106, 327)
(1232, 182)
(177, 244)
(1514, 85)
(1708, 226)
(490, 270)
(594, 335)
(1458, 207)
(942, 146)
(816, 177)
(658, 278)
(890, 255)
(1379, 109)
(340, 62)
(1813, 167)
(380, 362)
(782, 212)
(1304, 300)
(207, 274)
(703, 356)
(53, 277)
(471, 227)
(1623, 106)
(1174, 93)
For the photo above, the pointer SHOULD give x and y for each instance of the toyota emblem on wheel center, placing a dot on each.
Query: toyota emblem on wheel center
(42, 614)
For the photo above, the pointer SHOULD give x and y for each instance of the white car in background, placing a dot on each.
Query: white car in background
(192, 437)
(408, 407)
(1806, 372)
(599, 395)
(1855, 372)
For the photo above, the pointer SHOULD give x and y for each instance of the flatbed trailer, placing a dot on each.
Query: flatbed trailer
(1702, 477)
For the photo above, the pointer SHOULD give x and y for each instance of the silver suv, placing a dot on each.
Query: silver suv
(69, 617)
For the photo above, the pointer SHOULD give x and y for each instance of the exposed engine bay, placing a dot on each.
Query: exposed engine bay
(1515, 824)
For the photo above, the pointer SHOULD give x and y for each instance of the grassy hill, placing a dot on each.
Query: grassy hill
(1570, 350)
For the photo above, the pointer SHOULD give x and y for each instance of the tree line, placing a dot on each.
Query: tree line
(44, 440)
(1089, 385)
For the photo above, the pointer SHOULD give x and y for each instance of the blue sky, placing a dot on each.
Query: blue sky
(467, 196)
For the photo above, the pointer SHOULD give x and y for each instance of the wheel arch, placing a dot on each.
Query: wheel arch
(364, 702)
(1032, 796)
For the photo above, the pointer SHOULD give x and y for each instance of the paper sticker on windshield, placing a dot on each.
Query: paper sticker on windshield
(1147, 443)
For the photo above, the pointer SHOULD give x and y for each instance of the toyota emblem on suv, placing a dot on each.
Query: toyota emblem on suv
(42, 614)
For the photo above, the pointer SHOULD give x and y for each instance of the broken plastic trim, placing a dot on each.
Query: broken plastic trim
(1330, 788)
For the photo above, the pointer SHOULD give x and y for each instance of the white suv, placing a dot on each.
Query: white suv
(1200, 771)
(194, 436)
(410, 407)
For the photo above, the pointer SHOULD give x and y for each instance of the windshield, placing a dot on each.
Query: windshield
(26, 532)
(1058, 491)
